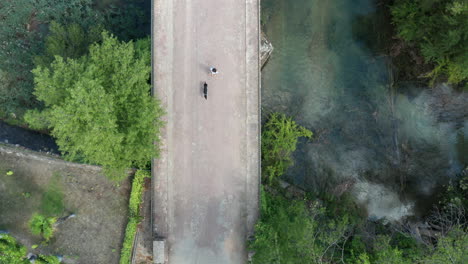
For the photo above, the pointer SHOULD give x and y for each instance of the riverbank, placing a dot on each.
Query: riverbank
(27, 138)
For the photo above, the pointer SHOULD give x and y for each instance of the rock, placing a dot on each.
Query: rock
(284, 184)
(266, 48)
(295, 192)
(250, 256)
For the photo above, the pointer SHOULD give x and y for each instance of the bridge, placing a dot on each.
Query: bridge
(206, 180)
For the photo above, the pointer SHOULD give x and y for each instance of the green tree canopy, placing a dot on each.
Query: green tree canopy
(295, 231)
(23, 25)
(279, 139)
(452, 248)
(99, 106)
(68, 41)
(439, 28)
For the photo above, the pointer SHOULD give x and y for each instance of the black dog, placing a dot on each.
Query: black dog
(205, 90)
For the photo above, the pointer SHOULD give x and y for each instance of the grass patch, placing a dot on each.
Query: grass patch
(43, 226)
(136, 197)
(52, 199)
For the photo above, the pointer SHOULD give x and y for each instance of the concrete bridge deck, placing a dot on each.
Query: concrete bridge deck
(206, 180)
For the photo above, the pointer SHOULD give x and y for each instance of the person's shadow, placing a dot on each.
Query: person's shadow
(204, 90)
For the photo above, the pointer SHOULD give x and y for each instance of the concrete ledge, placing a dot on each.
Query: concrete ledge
(159, 251)
(41, 156)
(162, 73)
(253, 84)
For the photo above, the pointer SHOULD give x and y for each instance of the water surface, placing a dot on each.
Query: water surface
(391, 146)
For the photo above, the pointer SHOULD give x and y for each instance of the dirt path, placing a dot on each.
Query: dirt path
(206, 180)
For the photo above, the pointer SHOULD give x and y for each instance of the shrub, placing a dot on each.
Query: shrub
(136, 197)
(13, 253)
(279, 138)
(127, 246)
(41, 225)
(137, 190)
(42, 259)
(10, 251)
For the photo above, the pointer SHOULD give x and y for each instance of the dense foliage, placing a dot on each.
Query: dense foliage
(128, 19)
(136, 198)
(322, 228)
(41, 225)
(307, 230)
(67, 41)
(439, 28)
(13, 253)
(23, 26)
(32, 32)
(291, 231)
(279, 138)
(99, 106)
(10, 251)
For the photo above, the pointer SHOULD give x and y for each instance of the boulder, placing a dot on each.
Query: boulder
(266, 48)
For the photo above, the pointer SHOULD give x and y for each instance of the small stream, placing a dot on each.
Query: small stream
(27, 138)
(392, 146)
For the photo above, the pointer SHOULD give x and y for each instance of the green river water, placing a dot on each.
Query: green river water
(393, 147)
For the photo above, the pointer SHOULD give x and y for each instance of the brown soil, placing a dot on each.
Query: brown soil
(93, 236)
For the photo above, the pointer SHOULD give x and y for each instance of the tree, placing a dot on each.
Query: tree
(279, 139)
(41, 225)
(99, 106)
(295, 231)
(68, 41)
(384, 253)
(440, 30)
(23, 26)
(450, 249)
